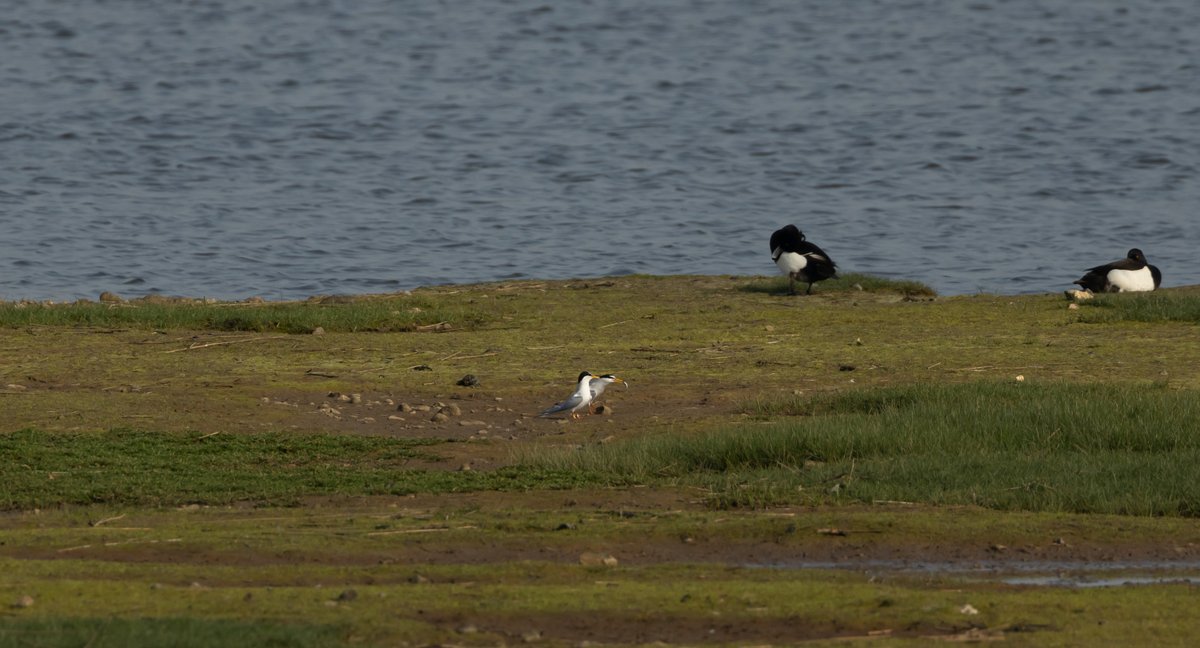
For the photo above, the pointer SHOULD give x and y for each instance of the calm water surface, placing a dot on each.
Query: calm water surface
(286, 148)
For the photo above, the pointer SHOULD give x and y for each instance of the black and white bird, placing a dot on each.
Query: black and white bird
(1131, 274)
(598, 385)
(579, 399)
(799, 259)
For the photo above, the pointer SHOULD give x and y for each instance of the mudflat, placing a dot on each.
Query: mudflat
(868, 463)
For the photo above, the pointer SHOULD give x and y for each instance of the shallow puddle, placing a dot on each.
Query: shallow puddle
(1075, 574)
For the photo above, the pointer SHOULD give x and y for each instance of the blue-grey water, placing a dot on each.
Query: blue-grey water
(285, 148)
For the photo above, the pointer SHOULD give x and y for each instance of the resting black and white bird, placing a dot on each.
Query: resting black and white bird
(578, 400)
(799, 259)
(598, 385)
(1131, 274)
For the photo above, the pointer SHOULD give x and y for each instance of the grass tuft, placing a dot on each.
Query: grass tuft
(1014, 446)
(845, 282)
(401, 313)
(1142, 307)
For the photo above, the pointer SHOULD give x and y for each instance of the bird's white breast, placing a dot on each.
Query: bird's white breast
(790, 262)
(1131, 280)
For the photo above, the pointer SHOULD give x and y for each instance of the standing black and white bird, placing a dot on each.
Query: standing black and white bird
(1131, 274)
(799, 259)
(578, 400)
(598, 385)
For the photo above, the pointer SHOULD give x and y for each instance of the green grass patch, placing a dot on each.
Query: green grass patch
(851, 281)
(179, 633)
(401, 313)
(1040, 447)
(1142, 307)
(130, 467)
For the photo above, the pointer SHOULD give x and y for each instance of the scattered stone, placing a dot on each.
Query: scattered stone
(367, 419)
(393, 417)
(593, 559)
(1020, 378)
(452, 410)
(465, 468)
(1072, 306)
(473, 423)
(15, 387)
(348, 595)
(421, 408)
(604, 410)
(968, 609)
(320, 330)
(831, 532)
(406, 408)
(532, 636)
(1078, 295)
(356, 399)
(107, 297)
(23, 602)
(608, 439)
(418, 579)
(467, 628)
(439, 418)
(343, 398)
(468, 380)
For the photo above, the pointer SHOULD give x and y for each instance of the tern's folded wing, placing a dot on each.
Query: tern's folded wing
(569, 404)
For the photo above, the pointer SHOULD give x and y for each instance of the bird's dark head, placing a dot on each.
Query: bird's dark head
(786, 237)
(583, 375)
(1136, 255)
